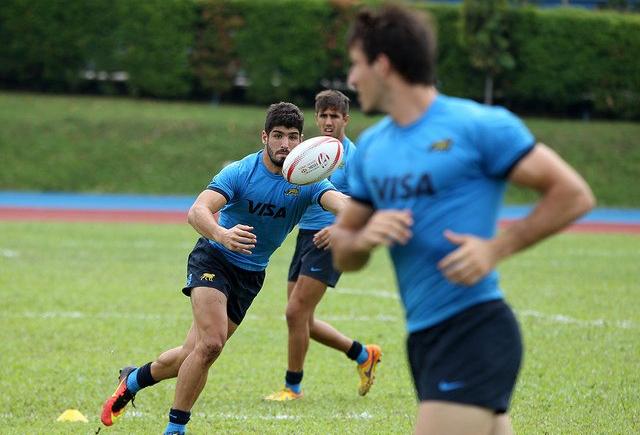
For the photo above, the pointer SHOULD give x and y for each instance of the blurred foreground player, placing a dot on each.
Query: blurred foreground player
(427, 181)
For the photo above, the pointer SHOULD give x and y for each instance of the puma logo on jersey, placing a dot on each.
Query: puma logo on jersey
(441, 145)
(294, 191)
(207, 276)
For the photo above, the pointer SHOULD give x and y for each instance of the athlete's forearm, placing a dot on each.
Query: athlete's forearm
(559, 207)
(346, 254)
(203, 221)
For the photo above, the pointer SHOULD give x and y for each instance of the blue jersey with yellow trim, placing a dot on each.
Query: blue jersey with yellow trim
(449, 168)
(316, 218)
(263, 200)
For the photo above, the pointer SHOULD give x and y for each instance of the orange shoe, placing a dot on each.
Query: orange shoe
(114, 406)
(367, 370)
(284, 395)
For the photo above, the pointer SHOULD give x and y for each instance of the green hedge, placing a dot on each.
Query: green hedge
(46, 44)
(568, 56)
(288, 49)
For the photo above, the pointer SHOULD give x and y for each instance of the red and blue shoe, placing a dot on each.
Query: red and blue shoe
(114, 406)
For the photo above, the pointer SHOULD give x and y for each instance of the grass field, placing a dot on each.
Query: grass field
(89, 144)
(81, 300)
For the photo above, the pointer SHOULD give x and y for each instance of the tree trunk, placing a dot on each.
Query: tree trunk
(488, 89)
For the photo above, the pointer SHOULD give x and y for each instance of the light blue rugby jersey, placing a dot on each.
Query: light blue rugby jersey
(450, 168)
(263, 200)
(316, 218)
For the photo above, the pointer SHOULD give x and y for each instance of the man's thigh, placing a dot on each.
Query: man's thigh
(307, 292)
(209, 308)
(450, 418)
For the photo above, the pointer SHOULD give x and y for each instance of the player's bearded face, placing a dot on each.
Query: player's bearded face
(279, 143)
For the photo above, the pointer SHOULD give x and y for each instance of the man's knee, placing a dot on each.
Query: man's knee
(297, 313)
(210, 348)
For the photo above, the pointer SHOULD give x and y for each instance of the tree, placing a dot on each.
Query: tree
(485, 35)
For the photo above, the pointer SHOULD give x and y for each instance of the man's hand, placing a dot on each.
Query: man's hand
(322, 239)
(238, 239)
(471, 261)
(386, 227)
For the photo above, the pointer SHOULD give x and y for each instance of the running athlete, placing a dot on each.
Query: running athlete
(427, 181)
(226, 268)
(311, 269)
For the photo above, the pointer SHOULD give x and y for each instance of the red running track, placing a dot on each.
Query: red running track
(174, 217)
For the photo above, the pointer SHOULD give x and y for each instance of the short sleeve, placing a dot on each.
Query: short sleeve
(226, 181)
(319, 188)
(503, 141)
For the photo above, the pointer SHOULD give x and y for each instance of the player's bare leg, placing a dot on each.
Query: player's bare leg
(450, 418)
(210, 323)
(303, 297)
(167, 365)
(307, 293)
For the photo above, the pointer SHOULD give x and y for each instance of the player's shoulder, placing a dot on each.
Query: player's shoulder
(373, 132)
(471, 113)
(245, 164)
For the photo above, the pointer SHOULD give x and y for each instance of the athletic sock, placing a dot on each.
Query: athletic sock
(364, 356)
(140, 378)
(356, 352)
(293, 381)
(177, 421)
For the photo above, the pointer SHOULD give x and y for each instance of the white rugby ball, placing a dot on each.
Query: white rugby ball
(313, 160)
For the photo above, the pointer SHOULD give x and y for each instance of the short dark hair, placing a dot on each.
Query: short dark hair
(332, 99)
(284, 114)
(405, 36)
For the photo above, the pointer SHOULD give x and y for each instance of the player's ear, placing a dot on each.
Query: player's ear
(264, 137)
(382, 64)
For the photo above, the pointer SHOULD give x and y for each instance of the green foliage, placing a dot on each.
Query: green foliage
(156, 54)
(456, 76)
(485, 34)
(288, 49)
(81, 301)
(44, 42)
(282, 47)
(569, 57)
(215, 57)
(50, 43)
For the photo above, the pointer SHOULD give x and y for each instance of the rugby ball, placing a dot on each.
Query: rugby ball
(313, 160)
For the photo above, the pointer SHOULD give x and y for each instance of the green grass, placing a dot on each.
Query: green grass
(90, 144)
(81, 300)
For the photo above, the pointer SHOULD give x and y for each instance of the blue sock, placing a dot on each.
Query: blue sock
(175, 427)
(177, 421)
(296, 388)
(293, 381)
(132, 381)
(364, 355)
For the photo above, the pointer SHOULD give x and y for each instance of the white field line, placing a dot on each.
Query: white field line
(163, 317)
(562, 319)
(9, 253)
(240, 416)
(551, 318)
(230, 416)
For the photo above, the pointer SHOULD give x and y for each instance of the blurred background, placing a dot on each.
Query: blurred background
(154, 96)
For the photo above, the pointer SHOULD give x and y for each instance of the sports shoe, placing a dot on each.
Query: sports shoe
(283, 395)
(114, 406)
(367, 370)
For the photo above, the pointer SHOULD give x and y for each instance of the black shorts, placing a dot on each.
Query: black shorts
(310, 261)
(208, 267)
(471, 358)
